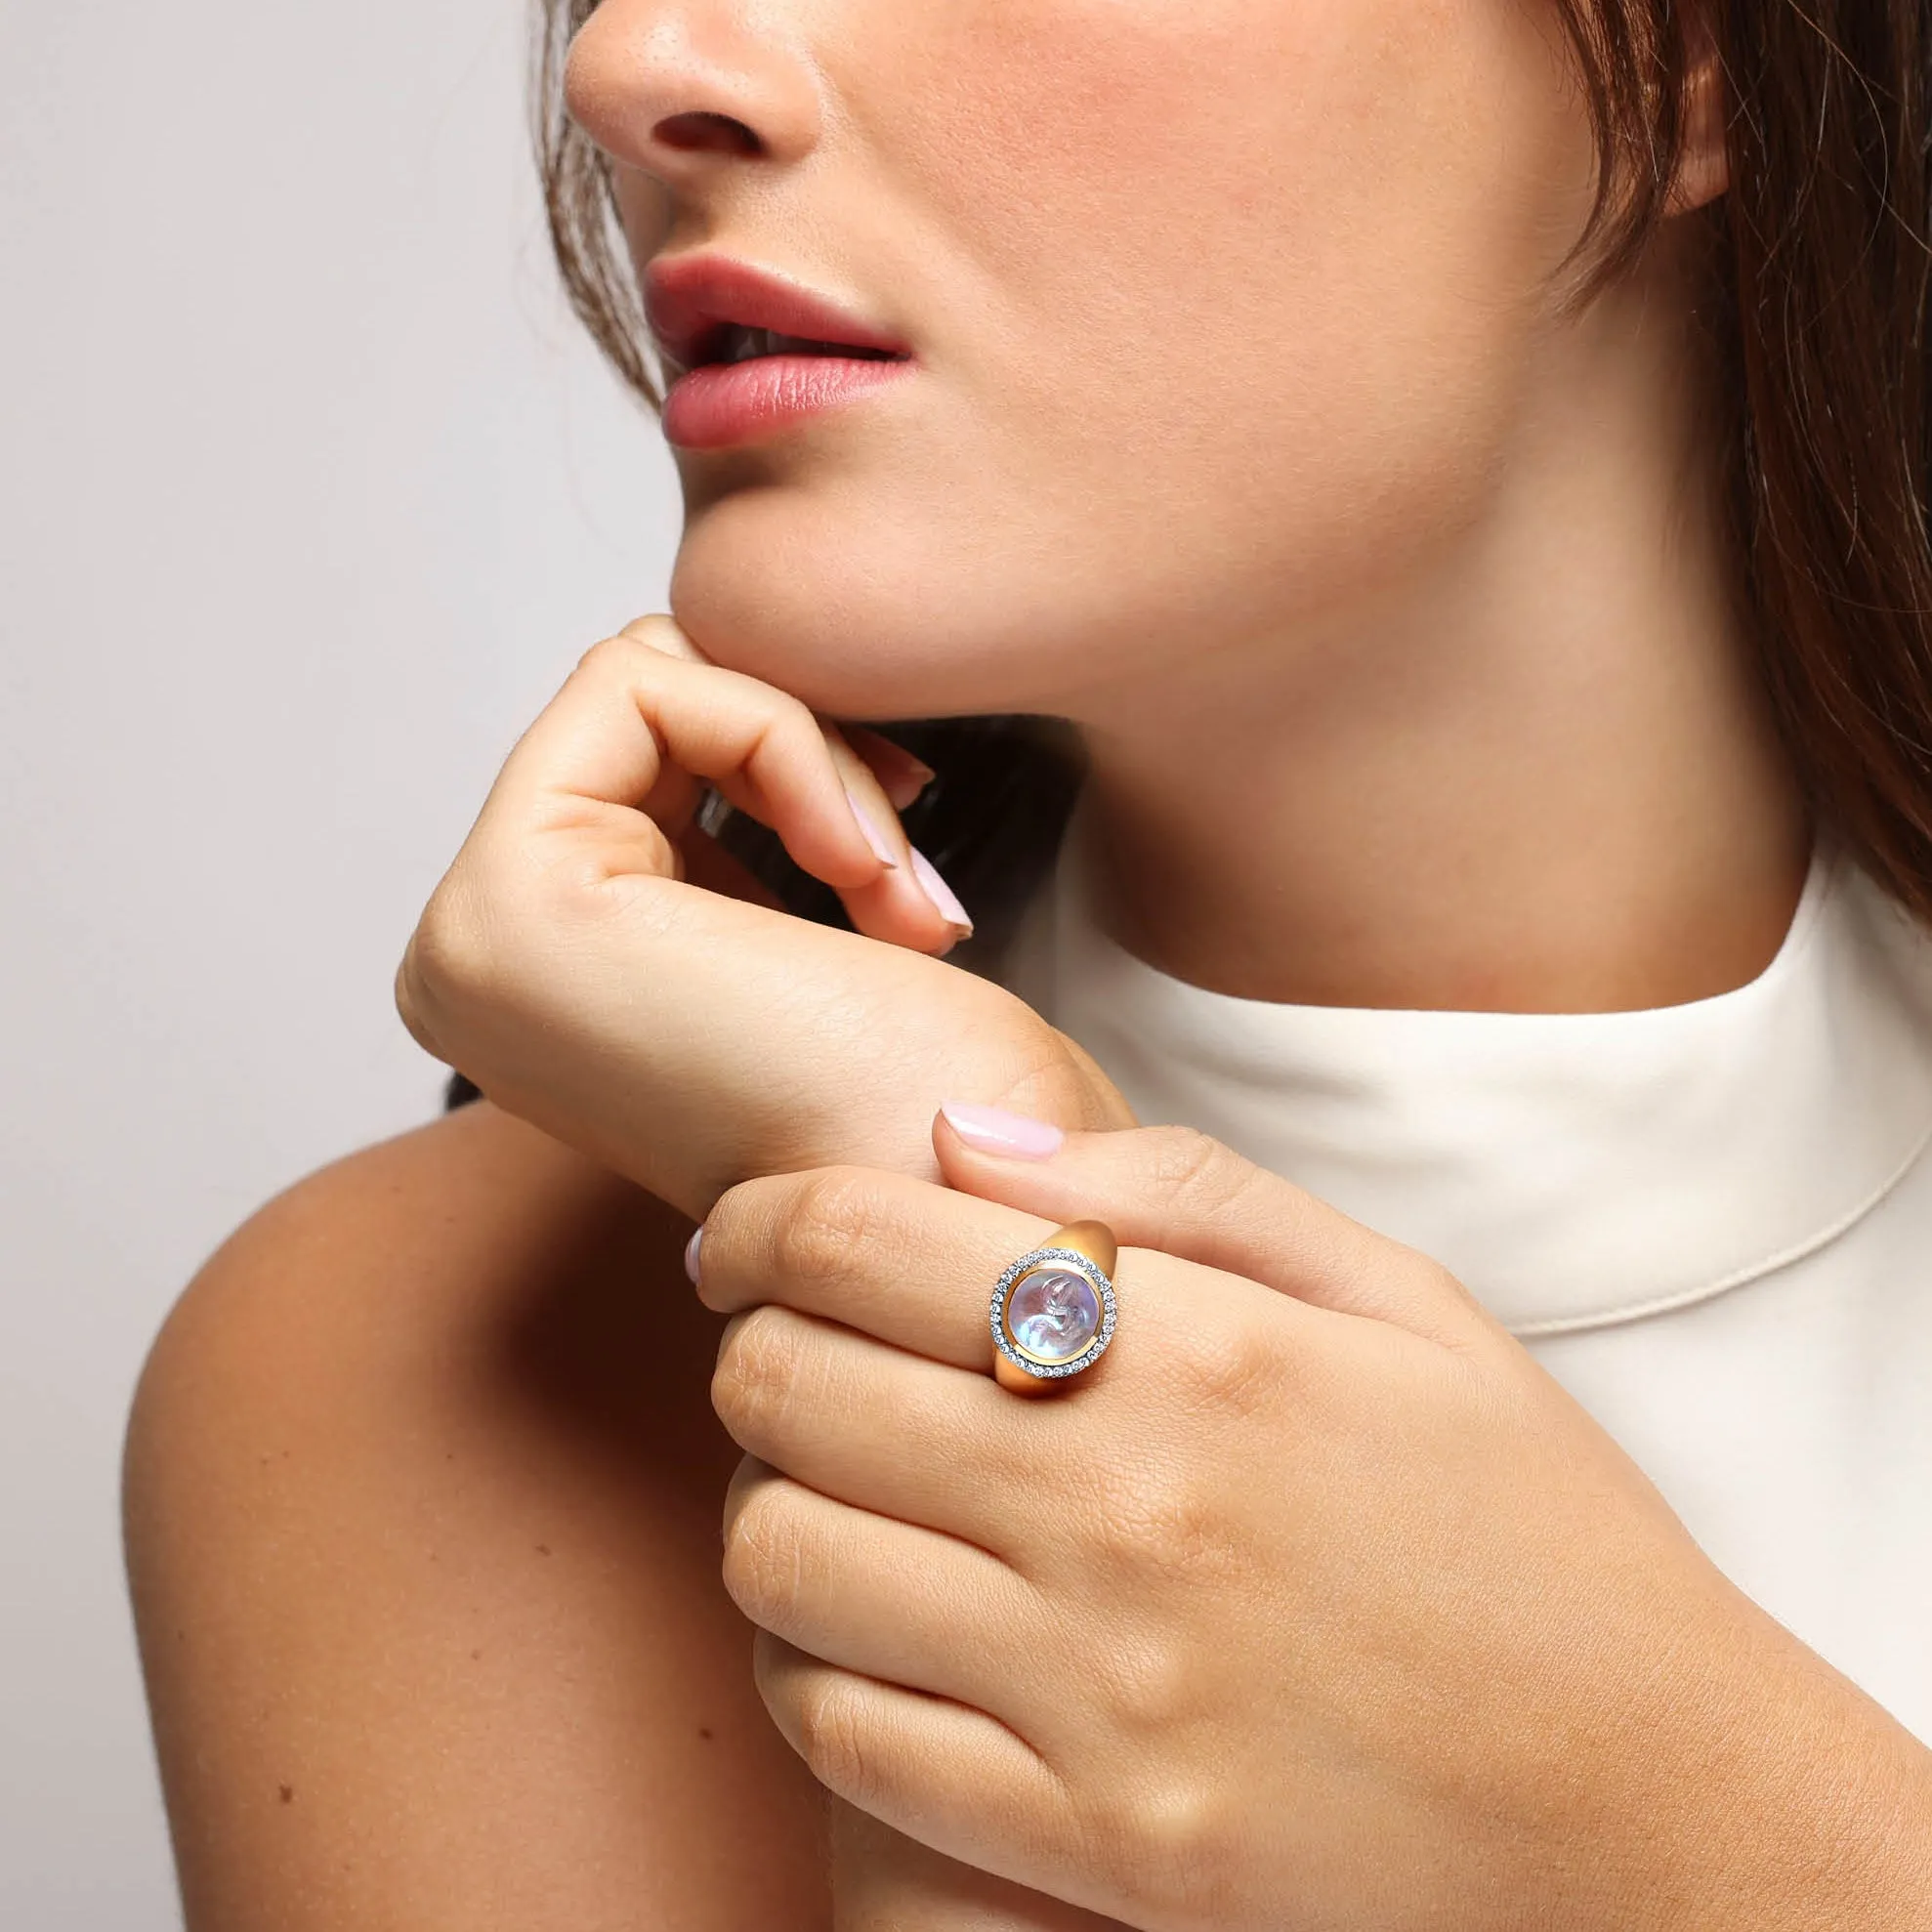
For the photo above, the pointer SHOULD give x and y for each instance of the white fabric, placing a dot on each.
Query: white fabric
(1712, 1222)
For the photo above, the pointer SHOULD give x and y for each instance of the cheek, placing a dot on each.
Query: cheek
(1226, 305)
(1273, 264)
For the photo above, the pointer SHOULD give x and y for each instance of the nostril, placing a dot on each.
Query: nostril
(707, 132)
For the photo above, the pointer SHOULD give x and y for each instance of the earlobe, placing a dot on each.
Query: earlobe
(1703, 166)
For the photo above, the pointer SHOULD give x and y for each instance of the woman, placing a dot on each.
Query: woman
(1457, 469)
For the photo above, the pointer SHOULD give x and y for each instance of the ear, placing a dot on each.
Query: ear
(1703, 166)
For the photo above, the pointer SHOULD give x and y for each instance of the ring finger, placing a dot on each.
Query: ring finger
(914, 1264)
(893, 1256)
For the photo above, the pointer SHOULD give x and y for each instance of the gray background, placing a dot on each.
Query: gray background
(310, 495)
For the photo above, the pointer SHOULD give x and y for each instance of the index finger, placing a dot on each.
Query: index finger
(629, 710)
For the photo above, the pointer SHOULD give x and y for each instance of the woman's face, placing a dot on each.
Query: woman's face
(1224, 312)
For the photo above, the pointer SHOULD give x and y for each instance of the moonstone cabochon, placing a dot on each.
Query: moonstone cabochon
(1053, 1313)
(1066, 1314)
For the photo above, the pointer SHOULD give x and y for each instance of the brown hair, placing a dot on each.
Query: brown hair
(1820, 258)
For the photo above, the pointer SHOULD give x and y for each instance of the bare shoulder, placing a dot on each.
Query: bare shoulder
(423, 1491)
(470, 1222)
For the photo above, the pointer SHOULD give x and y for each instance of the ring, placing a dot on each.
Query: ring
(1053, 1309)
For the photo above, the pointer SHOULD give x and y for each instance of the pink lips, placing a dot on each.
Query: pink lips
(689, 299)
(728, 402)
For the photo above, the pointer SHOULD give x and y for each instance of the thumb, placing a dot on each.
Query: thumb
(1176, 1190)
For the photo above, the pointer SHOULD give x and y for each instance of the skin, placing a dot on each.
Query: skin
(1374, 1627)
(423, 1502)
(1297, 1480)
(1414, 586)
(1435, 616)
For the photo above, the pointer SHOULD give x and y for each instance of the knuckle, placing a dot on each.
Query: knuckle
(1193, 1171)
(824, 1224)
(614, 660)
(1042, 1077)
(780, 712)
(1176, 1817)
(780, 727)
(1156, 1521)
(762, 1567)
(833, 1737)
(756, 1379)
(659, 631)
(629, 846)
(415, 1001)
(1226, 1370)
(1177, 1830)
(1440, 1286)
(1149, 1689)
(449, 964)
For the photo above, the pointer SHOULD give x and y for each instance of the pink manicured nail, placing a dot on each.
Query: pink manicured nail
(691, 1254)
(875, 838)
(992, 1131)
(940, 894)
(903, 785)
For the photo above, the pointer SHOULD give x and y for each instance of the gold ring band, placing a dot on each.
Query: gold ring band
(1052, 1309)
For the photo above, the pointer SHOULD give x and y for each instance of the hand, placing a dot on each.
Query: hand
(683, 1037)
(1314, 1604)
(689, 1039)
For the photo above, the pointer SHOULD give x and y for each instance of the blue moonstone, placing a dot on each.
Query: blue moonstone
(1053, 1313)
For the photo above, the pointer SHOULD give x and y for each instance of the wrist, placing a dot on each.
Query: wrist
(1780, 1799)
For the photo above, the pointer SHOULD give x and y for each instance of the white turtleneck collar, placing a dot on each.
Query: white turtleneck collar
(1573, 1170)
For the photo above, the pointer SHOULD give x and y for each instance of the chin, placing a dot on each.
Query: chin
(860, 614)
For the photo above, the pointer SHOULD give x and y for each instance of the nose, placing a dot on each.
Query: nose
(677, 88)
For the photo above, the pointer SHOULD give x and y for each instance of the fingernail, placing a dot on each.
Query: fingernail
(940, 894)
(905, 776)
(994, 1131)
(875, 838)
(691, 1254)
(905, 792)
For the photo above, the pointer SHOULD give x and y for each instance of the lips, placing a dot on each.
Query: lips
(700, 309)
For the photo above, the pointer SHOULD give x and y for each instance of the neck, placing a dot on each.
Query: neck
(1537, 776)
